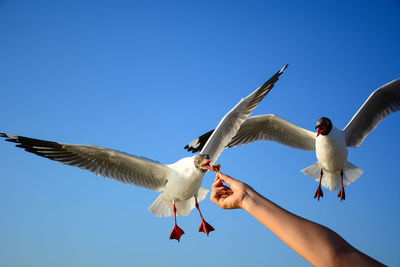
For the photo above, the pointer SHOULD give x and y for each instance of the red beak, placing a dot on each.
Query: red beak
(320, 129)
(207, 165)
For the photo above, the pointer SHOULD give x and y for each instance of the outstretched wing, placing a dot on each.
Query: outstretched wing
(264, 128)
(101, 161)
(380, 103)
(273, 128)
(231, 122)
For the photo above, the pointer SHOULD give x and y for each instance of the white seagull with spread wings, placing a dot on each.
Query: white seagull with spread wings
(180, 181)
(329, 143)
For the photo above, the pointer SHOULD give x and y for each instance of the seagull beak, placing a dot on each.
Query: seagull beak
(320, 129)
(207, 165)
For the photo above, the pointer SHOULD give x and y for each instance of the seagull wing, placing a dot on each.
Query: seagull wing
(267, 127)
(101, 161)
(232, 121)
(380, 103)
(273, 128)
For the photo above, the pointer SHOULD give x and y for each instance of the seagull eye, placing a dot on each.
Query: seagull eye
(207, 156)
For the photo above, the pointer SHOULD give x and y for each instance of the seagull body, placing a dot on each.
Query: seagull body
(179, 182)
(329, 143)
(332, 164)
(186, 181)
(183, 185)
(331, 152)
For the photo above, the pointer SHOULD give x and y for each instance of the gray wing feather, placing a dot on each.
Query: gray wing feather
(382, 102)
(273, 128)
(101, 161)
(231, 122)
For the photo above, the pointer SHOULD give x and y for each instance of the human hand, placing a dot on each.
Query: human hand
(231, 196)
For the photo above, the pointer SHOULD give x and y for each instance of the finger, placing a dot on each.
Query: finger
(218, 199)
(220, 188)
(217, 190)
(226, 178)
(217, 183)
(224, 188)
(216, 178)
(214, 197)
(229, 191)
(221, 193)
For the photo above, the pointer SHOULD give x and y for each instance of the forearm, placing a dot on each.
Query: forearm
(316, 243)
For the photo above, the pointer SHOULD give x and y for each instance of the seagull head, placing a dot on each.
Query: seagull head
(202, 162)
(324, 126)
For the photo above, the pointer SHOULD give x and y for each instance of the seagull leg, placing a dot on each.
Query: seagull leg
(204, 226)
(176, 231)
(341, 192)
(319, 193)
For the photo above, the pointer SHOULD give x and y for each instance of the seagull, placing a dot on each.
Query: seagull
(179, 182)
(329, 143)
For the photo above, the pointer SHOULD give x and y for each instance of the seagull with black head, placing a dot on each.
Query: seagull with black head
(332, 169)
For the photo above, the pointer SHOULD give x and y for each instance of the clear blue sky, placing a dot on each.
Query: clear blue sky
(146, 78)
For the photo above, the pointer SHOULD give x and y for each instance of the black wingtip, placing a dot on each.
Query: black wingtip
(4, 135)
(284, 67)
(10, 138)
(191, 149)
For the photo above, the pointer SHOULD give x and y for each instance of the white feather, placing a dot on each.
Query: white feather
(161, 207)
(382, 102)
(180, 181)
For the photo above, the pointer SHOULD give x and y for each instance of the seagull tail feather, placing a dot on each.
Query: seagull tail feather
(332, 180)
(162, 206)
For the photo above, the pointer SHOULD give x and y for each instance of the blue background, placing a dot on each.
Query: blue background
(146, 77)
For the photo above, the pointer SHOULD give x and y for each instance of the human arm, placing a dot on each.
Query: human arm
(317, 244)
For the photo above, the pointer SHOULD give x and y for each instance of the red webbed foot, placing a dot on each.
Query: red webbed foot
(176, 233)
(341, 194)
(205, 227)
(319, 193)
